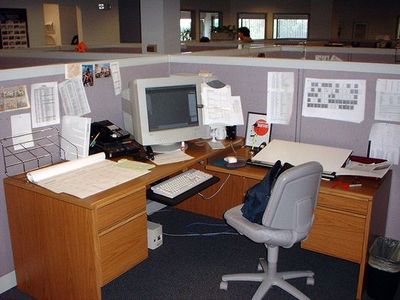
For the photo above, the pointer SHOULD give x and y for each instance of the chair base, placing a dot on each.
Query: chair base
(269, 278)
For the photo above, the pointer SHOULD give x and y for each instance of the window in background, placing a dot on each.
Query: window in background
(290, 26)
(209, 20)
(255, 22)
(186, 25)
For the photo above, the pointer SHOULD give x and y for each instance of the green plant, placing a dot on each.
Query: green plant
(226, 29)
(185, 35)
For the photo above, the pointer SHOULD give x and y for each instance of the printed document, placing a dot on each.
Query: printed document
(171, 157)
(116, 77)
(220, 107)
(21, 131)
(280, 93)
(83, 177)
(387, 102)
(335, 99)
(45, 106)
(73, 96)
(385, 142)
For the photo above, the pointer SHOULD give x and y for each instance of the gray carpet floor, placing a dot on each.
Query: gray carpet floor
(197, 250)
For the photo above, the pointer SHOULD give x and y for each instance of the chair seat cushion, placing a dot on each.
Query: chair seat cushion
(256, 232)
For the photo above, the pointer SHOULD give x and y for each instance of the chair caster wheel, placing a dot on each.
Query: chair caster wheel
(310, 281)
(223, 285)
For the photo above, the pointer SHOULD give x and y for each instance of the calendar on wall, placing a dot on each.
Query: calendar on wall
(13, 28)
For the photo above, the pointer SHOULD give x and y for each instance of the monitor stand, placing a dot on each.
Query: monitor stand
(162, 148)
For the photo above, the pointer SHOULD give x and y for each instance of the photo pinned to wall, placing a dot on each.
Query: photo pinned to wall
(102, 70)
(258, 130)
(87, 75)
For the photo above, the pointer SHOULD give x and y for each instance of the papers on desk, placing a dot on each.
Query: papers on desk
(295, 153)
(171, 157)
(354, 168)
(83, 177)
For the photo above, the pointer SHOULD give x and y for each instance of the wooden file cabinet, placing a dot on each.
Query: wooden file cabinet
(68, 248)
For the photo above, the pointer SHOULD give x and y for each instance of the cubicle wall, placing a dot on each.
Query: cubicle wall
(250, 82)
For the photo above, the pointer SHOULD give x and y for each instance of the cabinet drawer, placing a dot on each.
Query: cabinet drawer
(120, 209)
(336, 234)
(123, 247)
(343, 203)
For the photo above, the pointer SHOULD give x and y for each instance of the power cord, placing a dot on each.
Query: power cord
(219, 189)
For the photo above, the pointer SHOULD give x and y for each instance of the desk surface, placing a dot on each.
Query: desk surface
(199, 149)
(366, 192)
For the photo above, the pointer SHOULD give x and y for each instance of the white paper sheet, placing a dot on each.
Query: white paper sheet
(171, 157)
(220, 107)
(366, 170)
(75, 132)
(116, 77)
(45, 105)
(334, 99)
(387, 102)
(280, 93)
(73, 97)
(21, 130)
(83, 177)
(385, 142)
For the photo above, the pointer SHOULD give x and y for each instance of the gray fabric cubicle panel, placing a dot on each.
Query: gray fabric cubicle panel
(335, 133)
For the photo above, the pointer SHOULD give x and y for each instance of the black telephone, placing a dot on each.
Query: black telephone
(107, 132)
(107, 137)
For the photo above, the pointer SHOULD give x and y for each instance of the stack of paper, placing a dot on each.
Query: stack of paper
(83, 177)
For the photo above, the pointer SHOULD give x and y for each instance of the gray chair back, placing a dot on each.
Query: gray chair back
(293, 200)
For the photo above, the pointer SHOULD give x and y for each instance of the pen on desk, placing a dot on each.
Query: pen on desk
(352, 185)
(94, 140)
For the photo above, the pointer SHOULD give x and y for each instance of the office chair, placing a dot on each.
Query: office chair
(287, 219)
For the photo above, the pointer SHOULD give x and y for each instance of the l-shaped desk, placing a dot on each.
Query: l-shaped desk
(68, 248)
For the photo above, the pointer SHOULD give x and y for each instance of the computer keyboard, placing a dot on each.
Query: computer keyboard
(181, 183)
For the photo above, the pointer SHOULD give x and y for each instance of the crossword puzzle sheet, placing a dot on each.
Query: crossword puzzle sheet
(334, 99)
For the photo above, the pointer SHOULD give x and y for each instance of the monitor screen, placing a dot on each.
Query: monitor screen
(165, 111)
(171, 107)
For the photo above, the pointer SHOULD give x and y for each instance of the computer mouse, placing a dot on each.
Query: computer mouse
(230, 159)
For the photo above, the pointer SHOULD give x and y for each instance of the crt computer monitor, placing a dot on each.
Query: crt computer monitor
(164, 111)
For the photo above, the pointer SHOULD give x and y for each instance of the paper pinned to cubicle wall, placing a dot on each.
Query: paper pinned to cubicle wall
(335, 99)
(73, 96)
(387, 102)
(45, 104)
(280, 96)
(385, 142)
(220, 107)
(21, 131)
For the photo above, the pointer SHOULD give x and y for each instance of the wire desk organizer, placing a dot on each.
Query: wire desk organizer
(30, 151)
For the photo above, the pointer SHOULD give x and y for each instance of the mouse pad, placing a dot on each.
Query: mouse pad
(220, 162)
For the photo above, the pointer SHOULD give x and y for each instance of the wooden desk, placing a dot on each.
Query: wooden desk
(68, 248)
(346, 221)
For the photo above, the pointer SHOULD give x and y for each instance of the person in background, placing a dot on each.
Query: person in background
(244, 35)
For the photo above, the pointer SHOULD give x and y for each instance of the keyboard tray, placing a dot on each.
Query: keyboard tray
(173, 201)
